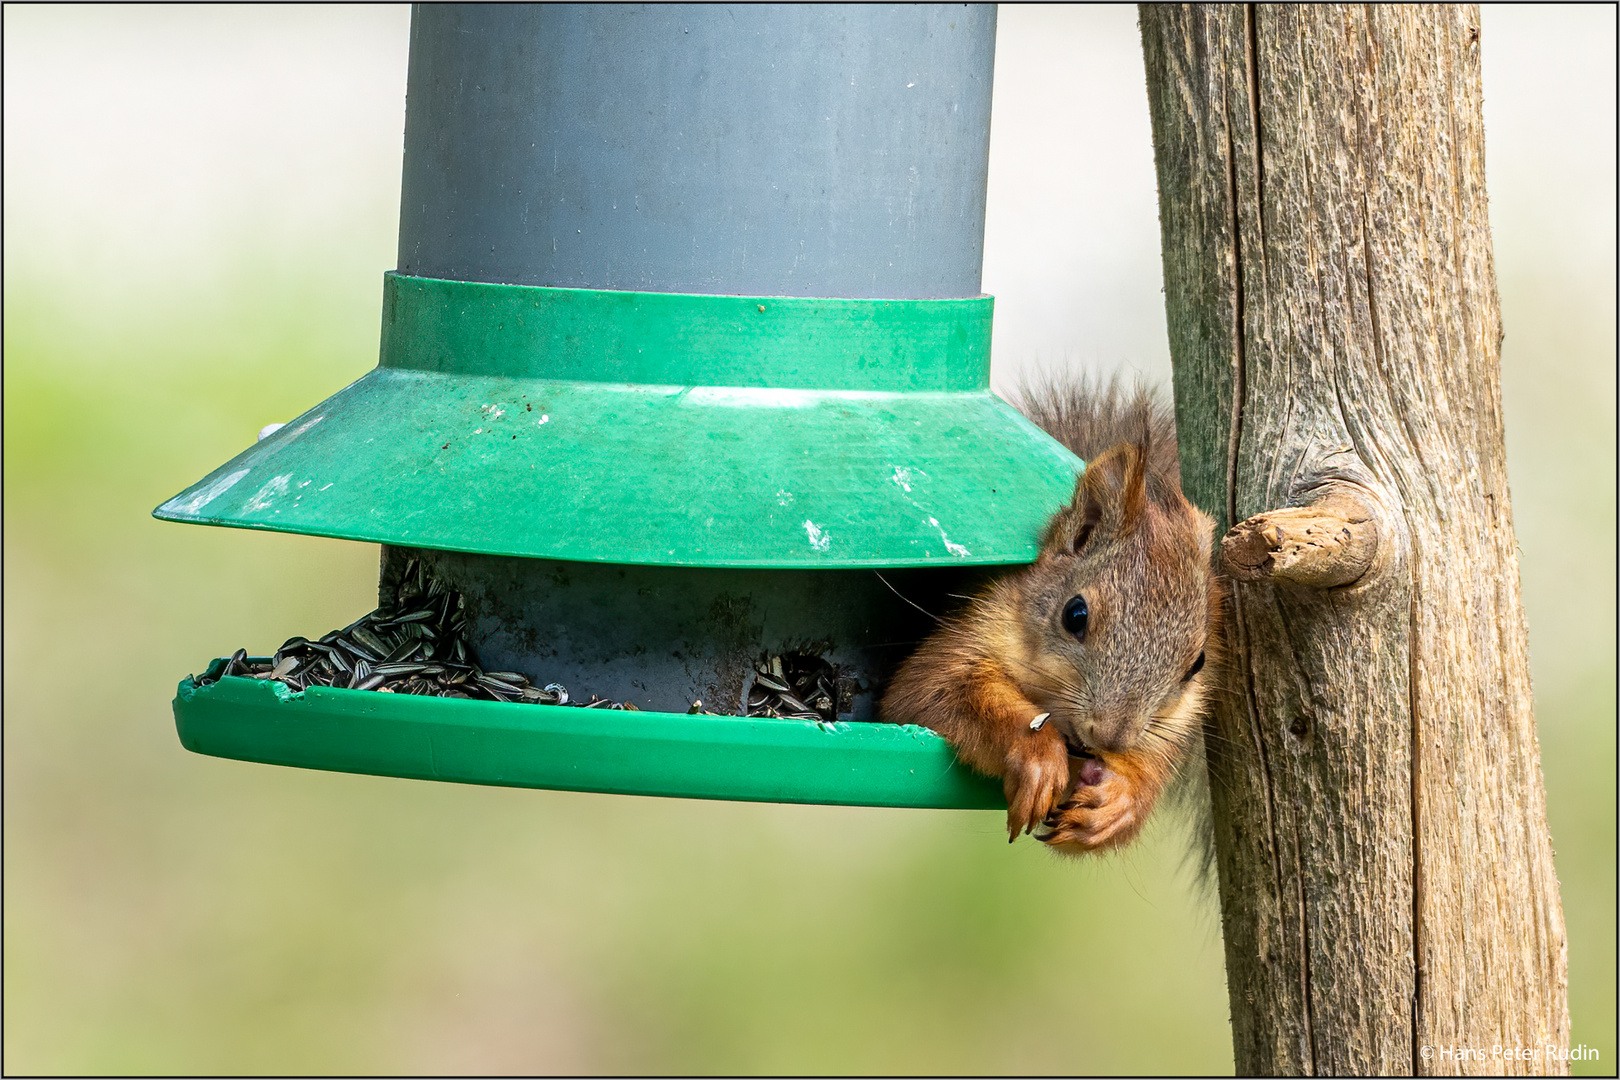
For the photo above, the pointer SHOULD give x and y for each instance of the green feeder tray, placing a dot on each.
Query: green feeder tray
(573, 749)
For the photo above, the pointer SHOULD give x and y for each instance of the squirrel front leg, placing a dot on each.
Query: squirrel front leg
(987, 720)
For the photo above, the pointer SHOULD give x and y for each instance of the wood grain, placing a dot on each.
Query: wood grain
(1386, 873)
(1327, 544)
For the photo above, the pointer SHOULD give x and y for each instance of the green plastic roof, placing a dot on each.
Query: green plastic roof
(660, 428)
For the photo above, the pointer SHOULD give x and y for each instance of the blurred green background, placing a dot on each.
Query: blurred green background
(199, 205)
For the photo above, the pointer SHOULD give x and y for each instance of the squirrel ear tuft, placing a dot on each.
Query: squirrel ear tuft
(1113, 491)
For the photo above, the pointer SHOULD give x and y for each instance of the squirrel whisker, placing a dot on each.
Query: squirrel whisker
(906, 598)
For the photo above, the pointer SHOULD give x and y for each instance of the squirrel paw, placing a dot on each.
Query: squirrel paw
(1036, 779)
(1103, 812)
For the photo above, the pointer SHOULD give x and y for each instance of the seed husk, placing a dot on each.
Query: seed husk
(765, 679)
(360, 653)
(376, 645)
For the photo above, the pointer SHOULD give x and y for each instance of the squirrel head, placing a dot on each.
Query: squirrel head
(1119, 615)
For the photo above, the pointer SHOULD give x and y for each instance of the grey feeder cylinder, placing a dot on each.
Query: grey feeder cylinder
(762, 151)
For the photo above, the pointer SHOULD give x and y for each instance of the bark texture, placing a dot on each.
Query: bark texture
(1386, 873)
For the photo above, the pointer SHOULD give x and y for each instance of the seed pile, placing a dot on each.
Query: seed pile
(419, 646)
(798, 687)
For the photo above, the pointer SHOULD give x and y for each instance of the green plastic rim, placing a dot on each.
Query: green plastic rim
(685, 339)
(662, 429)
(573, 749)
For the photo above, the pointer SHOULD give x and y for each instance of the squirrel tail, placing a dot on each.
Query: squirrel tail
(1188, 803)
(1190, 791)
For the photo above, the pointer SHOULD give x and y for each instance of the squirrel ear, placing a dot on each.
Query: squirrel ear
(1068, 530)
(1109, 499)
(1112, 493)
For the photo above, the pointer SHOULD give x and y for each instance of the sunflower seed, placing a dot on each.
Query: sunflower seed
(421, 615)
(392, 670)
(374, 644)
(500, 678)
(765, 679)
(360, 652)
(404, 651)
(795, 704)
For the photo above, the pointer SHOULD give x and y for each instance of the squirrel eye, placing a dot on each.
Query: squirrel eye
(1074, 617)
(1197, 666)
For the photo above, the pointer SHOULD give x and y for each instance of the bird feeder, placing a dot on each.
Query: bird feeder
(684, 365)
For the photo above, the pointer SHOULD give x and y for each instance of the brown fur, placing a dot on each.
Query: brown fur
(1123, 712)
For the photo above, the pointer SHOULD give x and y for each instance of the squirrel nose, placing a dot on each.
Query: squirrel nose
(1110, 732)
(1109, 742)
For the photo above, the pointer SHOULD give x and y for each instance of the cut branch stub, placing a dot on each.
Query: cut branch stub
(1330, 542)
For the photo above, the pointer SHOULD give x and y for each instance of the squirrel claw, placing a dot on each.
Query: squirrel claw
(1035, 780)
(1106, 814)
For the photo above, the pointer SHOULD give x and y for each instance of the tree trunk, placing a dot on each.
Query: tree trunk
(1386, 874)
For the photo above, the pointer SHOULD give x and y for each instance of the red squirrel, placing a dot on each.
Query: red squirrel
(1081, 680)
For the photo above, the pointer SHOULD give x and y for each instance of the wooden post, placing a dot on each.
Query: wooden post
(1386, 874)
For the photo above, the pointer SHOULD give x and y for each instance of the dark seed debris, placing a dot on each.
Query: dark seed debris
(419, 647)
